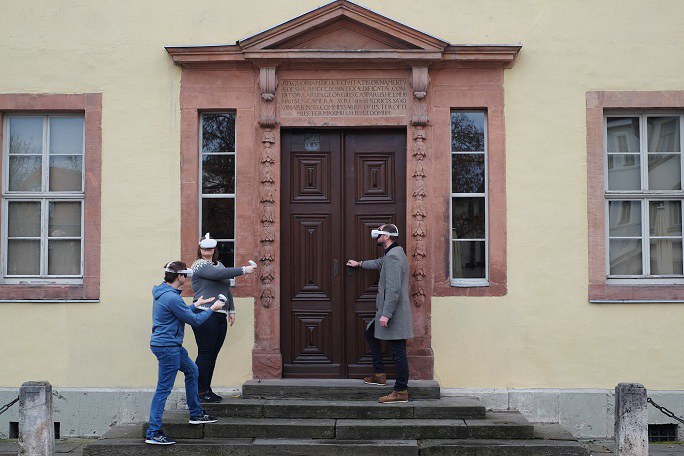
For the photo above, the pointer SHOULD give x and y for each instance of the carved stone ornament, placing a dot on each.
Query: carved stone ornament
(419, 214)
(268, 83)
(420, 79)
(267, 232)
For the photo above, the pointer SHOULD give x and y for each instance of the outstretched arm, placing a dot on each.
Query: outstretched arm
(208, 271)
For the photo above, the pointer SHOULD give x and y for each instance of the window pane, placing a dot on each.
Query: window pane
(624, 172)
(64, 219)
(66, 173)
(467, 131)
(623, 134)
(218, 174)
(66, 135)
(218, 217)
(227, 253)
(26, 135)
(23, 219)
(625, 257)
(663, 134)
(666, 256)
(64, 257)
(664, 172)
(23, 257)
(469, 260)
(218, 132)
(468, 173)
(624, 218)
(665, 218)
(468, 218)
(25, 173)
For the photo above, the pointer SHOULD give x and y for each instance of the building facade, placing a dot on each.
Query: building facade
(530, 156)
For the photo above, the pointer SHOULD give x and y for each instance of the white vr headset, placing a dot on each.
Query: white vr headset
(208, 242)
(187, 272)
(377, 233)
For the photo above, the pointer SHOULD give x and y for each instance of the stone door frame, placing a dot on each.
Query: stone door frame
(244, 77)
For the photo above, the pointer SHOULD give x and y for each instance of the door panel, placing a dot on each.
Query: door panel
(378, 174)
(311, 292)
(337, 187)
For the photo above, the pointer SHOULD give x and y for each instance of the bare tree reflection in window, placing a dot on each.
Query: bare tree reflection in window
(218, 132)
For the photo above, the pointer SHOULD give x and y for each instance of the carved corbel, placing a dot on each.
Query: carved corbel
(268, 83)
(420, 79)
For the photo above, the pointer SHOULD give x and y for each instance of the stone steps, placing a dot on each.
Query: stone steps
(343, 417)
(332, 390)
(505, 425)
(321, 447)
(446, 408)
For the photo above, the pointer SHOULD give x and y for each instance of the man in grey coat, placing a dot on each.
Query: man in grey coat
(393, 321)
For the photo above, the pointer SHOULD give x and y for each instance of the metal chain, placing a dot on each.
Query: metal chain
(6, 407)
(665, 411)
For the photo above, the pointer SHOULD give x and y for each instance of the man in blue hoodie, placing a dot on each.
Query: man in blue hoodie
(169, 316)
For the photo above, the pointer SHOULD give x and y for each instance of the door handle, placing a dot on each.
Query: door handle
(350, 271)
(336, 267)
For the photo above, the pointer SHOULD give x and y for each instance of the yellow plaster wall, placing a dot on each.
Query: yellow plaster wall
(542, 334)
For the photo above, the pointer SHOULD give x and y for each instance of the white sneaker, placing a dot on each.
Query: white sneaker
(159, 440)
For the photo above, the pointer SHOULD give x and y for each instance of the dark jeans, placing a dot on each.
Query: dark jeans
(398, 350)
(171, 360)
(210, 336)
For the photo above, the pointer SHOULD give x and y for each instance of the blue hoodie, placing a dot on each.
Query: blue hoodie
(169, 316)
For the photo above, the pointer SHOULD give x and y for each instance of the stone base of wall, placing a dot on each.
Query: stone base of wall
(90, 412)
(587, 413)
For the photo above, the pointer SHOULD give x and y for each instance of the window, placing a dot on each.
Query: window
(43, 198)
(217, 182)
(469, 231)
(643, 197)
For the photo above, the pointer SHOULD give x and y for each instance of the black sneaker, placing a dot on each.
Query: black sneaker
(209, 397)
(159, 440)
(204, 419)
(216, 397)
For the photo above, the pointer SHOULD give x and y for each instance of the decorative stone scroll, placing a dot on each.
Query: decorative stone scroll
(267, 219)
(267, 197)
(268, 84)
(419, 119)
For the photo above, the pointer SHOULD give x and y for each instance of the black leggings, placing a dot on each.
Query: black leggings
(210, 336)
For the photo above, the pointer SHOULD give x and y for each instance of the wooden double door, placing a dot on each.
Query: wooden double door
(338, 185)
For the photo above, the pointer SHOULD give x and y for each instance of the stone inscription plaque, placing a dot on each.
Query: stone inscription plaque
(343, 97)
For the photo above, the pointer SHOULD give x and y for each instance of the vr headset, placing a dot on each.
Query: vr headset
(377, 233)
(187, 272)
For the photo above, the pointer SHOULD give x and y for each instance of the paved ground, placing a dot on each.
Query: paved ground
(603, 447)
(74, 447)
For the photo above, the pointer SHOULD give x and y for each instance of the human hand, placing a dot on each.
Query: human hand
(218, 305)
(353, 263)
(384, 321)
(201, 301)
(231, 319)
(249, 269)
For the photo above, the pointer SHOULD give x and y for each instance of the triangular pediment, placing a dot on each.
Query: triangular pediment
(342, 26)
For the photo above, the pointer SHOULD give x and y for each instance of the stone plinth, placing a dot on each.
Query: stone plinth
(36, 428)
(631, 420)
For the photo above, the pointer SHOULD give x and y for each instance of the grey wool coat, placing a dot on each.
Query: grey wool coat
(393, 295)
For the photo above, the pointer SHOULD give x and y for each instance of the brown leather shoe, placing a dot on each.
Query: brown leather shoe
(394, 396)
(376, 379)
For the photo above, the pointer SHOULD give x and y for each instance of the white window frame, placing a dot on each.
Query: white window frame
(469, 282)
(643, 195)
(218, 195)
(45, 196)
